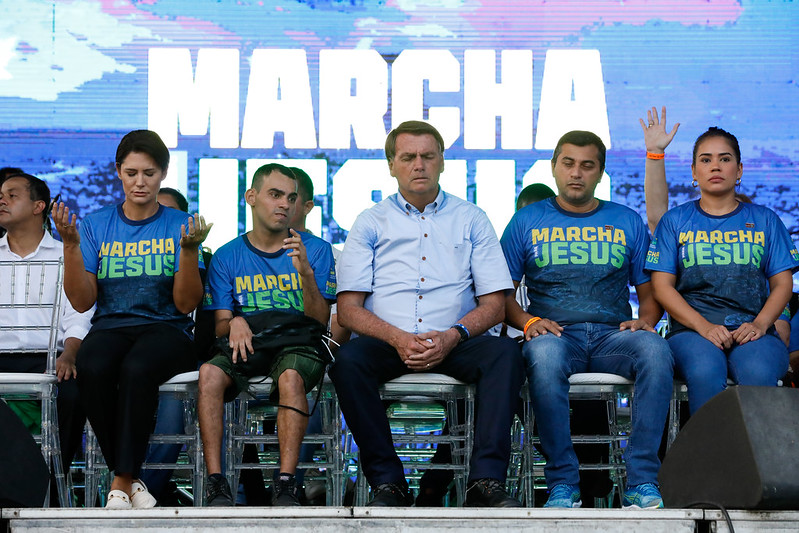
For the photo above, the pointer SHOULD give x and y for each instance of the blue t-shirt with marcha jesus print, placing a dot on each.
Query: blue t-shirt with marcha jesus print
(246, 280)
(135, 263)
(722, 263)
(577, 266)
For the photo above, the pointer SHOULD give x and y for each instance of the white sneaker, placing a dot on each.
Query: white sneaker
(140, 497)
(117, 499)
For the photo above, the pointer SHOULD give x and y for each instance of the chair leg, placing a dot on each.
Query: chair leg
(529, 455)
(235, 419)
(57, 464)
(95, 482)
(331, 427)
(674, 416)
(191, 426)
(618, 470)
(51, 450)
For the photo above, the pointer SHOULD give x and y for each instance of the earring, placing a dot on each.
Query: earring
(694, 183)
(737, 182)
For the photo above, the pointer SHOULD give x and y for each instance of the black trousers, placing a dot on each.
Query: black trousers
(494, 364)
(119, 372)
(71, 417)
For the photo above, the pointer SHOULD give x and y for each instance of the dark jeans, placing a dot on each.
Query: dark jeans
(119, 372)
(494, 364)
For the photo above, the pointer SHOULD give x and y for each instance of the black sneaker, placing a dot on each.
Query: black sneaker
(391, 495)
(489, 492)
(284, 491)
(217, 492)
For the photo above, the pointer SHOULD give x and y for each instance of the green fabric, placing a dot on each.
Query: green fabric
(30, 412)
(303, 359)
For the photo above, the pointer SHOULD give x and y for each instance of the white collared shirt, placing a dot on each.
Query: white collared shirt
(73, 324)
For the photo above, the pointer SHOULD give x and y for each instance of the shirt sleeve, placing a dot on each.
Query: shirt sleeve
(324, 269)
(781, 254)
(219, 292)
(489, 268)
(662, 254)
(513, 247)
(73, 324)
(638, 257)
(88, 246)
(356, 264)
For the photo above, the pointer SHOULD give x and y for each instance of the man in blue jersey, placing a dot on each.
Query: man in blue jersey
(578, 254)
(256, 283)
(422, 278)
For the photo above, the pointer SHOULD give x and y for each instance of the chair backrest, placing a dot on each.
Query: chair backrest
(30, 306)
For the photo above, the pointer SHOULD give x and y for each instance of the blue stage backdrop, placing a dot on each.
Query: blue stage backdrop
(230, 84)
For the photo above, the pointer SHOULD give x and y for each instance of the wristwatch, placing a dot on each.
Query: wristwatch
(463, 332)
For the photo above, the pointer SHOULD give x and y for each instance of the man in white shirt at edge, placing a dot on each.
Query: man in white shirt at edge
(24, 206)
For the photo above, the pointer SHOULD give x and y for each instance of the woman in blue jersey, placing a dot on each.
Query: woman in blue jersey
(722, 270)
(139, 263)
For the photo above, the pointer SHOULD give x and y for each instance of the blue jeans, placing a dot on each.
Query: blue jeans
(705, 368)
(642, 356)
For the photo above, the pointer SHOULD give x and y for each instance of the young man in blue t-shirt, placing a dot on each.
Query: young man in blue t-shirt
(265, 274)
(578, 254)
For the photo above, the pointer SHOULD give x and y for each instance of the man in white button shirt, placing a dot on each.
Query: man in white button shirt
(24, 203)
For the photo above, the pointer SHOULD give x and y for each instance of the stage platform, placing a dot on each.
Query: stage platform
(347, 519)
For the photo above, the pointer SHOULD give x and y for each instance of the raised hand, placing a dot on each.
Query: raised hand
(195, 234)
(655, 135)
(299, 257)
(67, 227)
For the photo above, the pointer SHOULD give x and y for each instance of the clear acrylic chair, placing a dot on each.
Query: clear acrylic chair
(416, 426)
(27, 286)
(617, 393)
(182, 387)
(244, 421)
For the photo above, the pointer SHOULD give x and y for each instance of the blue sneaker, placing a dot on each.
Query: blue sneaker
(643, 496)
(564, 496)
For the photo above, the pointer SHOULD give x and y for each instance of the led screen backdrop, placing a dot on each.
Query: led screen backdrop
(231, 84)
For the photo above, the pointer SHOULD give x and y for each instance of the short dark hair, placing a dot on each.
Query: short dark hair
(144, 142)
(176, 195)
(304, 184)
(8, 171)
(265, 170)
(532, 194)
(39, 191)
(414, 127)
(713, 131)
(581, 138)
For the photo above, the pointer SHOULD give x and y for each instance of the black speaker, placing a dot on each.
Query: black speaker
(23, 473)
(739, 450)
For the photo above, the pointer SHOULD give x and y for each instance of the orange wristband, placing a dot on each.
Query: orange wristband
(530, 323)
(650, 155)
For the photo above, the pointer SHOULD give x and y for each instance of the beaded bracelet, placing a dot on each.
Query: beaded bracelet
(530, 323)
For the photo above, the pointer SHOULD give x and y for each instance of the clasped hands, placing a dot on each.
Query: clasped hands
(425, 351)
